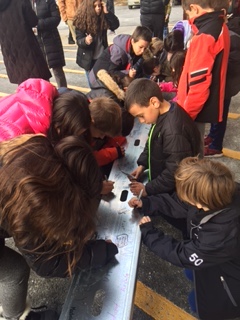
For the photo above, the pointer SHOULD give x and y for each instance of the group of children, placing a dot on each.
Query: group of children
(53, 144)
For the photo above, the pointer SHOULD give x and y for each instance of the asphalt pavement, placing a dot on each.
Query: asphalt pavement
(161, 277)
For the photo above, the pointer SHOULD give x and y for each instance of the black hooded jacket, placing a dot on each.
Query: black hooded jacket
(22, 55)
(212, 252)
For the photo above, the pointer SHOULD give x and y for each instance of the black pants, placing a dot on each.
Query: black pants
(155, 22)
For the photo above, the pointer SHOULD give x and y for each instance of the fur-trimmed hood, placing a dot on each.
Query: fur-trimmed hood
(110, 84)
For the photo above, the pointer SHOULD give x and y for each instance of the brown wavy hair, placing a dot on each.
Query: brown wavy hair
(49, 197)
(87, 20)
(209, 183)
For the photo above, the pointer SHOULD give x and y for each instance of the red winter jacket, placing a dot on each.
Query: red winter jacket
(107, 150)
(202, 83)
(28, 110)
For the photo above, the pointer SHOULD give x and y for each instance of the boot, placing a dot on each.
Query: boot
(70, 38)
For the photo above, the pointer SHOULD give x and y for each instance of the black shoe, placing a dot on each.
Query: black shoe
(43, 315)
(70, 41)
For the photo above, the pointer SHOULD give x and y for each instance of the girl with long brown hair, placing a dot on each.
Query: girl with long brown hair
(92, 21)
(48, 202)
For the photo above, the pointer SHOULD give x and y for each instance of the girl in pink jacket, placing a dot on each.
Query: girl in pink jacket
(37, 107)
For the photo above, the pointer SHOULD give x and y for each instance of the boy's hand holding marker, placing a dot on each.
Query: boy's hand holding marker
(108, 186)
(136, 187)
(136, 202)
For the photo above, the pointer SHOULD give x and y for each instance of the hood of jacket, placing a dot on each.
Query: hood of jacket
(110, 84)
(4, 4)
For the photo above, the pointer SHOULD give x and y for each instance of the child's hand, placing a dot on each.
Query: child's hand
(107, 187)
(144, 220)
(132, 73)
(136, 187)
(104, 7)
(88, 39)
(135, 203)
(137, 172)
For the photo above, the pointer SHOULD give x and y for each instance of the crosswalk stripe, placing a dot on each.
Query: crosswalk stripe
(158, 307)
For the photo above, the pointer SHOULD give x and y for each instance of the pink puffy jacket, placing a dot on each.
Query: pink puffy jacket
(28, 110)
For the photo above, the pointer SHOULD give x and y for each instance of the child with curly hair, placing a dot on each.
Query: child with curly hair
(92, 21)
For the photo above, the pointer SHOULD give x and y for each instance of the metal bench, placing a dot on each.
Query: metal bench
(108, 293)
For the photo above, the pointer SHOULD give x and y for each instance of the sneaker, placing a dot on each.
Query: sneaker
(207, 140)
(212, 153)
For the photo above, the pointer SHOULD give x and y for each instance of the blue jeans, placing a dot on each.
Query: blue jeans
(217, 130)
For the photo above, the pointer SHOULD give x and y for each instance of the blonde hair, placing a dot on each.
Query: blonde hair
(154, 50)
(209, 183)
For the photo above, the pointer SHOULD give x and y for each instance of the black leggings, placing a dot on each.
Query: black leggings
(14, 275)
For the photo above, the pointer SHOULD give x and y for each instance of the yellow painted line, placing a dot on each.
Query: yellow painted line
(70, 59)
(82, 89)
(73, 71)
(158, 307)
(69, 50)
(3, 94)
(233, 115)
(4, 76)
(231, 153)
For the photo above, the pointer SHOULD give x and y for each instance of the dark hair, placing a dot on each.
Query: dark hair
(107, 115)
(218, 5)
(70, 116)
(140, 91)
(174, 41)
(87, 20)
(149, 65)
(49, 197)
(209, 183)
(142, 33)
(176, 63)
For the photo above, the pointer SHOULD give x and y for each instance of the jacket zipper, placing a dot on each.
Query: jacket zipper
(149, 153)
(225, 286)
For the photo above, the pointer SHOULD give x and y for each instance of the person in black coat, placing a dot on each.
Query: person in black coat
(152, 15)
(48, 37)
(22, 55)
(209, 199)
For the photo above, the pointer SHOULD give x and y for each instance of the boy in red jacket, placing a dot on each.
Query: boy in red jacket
(202, 83)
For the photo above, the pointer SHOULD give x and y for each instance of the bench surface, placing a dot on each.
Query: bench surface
(107, 293)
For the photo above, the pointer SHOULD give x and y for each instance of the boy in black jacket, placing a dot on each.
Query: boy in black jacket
(207, 197)
(173, 136)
